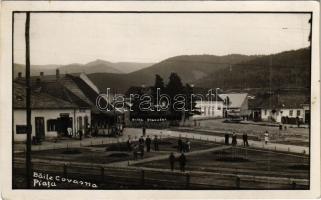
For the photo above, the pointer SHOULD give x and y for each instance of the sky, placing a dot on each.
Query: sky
(65, 38)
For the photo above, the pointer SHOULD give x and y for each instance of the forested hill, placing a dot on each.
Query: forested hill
(190, 68)
(290, 69)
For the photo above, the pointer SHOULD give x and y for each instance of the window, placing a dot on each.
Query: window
(219, 108)
(21, 129)
(52, 125)
(291, 113)
(298, 113)
(265, 112)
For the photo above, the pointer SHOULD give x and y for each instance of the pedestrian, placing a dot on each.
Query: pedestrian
(280, 127)
(80, 134)
(266, 137)
(141, 140)
(172, 160)
(148, 142)
(141, 150)
(234, 140)
(245, 141)
(144, 131)
(188, 145)
(69, 132)
(180, 144)
(182, 162)
(129, 144)
(227, 138)
(156, 148)
(135, 152)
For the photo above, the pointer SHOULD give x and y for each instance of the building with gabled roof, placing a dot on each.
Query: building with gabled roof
(236, 104)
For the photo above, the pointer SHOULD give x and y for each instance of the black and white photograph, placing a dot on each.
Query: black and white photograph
(161, 100)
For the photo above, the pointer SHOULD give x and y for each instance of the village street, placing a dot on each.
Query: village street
(135, 133)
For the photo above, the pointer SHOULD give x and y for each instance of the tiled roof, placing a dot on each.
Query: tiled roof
(278, 101)
(39, 100)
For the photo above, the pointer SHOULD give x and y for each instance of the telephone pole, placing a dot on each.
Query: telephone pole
(28, 102)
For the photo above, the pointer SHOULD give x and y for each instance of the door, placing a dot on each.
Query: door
(40, 127)
(307, 116)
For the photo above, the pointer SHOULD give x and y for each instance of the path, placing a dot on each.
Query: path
(136, 133)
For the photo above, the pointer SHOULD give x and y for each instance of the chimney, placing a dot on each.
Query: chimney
(19, 74)
(41, 74)
(57, 73)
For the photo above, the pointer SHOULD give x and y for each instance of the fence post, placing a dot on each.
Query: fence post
(187, 180)
(65, 170)
(142, 177)
(237, 182)
(102, 173)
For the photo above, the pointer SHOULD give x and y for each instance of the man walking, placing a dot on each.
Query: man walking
(172, 160)
(182, 162)
(148, 142)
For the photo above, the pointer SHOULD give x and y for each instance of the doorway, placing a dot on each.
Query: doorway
(40, 128)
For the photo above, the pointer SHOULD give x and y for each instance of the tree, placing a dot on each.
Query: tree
(159, 83)
(173, 88)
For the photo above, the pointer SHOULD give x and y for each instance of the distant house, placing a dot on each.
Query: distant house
(236, 105)
(50, 116)
(284, 108)
(209, 108)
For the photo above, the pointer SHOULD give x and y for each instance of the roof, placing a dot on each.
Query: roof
(279, 101)
(39, 100)
(236, 99)
(75, 88)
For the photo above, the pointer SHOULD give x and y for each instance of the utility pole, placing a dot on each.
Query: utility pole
(28, 102)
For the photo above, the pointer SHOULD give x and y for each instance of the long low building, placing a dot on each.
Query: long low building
(50, 116)
(284, 108)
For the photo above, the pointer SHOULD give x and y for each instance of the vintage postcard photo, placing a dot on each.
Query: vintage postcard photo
(208, 100)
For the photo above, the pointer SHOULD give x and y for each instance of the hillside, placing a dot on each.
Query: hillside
(97, 66)
(189, 68)
(290, 69)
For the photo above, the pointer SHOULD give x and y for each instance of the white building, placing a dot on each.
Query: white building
(209, 109)
(50, 116)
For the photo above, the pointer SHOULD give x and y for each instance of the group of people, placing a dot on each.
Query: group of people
(234, 139)
(140, 147)
(183, 146)
(181, 160)
(70, 134)
(244, 137)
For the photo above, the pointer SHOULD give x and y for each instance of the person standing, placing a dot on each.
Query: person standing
(144, 131)
(180, 144)
(182, 162)
(129, 144)
(172, 161)
(227, 138)
(80, 134)
(188, 145)
(141, 140)
(148, 142)
(245, 140)
(135, 152)
(266, 137)
(234, 139)
(156, 148)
